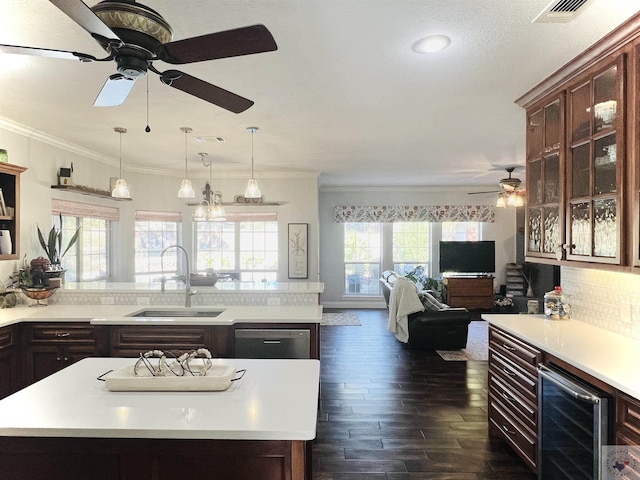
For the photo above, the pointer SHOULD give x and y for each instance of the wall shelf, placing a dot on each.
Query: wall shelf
(84, 190)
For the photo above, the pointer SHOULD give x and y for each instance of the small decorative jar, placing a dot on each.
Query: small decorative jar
(556, 305)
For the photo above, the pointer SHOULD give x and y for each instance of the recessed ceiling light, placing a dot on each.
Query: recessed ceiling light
(431, 44)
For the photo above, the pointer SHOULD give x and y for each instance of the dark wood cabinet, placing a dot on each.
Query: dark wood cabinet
(513, 393)
(472, 293)
(627, 420)
(49, 347)
(594, 220)
(10, 209)
(131, 340)
(9, 361)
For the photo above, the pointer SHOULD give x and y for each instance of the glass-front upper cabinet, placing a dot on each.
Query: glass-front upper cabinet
(595, 180)
(544, 231)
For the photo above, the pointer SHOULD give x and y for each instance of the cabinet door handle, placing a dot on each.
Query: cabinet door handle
(508, 397)
(506, 429)
(509, 372)
(509, 348)
(66, 359)
(62, 334)
(58, 359)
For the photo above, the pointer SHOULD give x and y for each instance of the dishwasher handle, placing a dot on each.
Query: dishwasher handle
(576, 391)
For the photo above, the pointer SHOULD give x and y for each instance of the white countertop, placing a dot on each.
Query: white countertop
(275, 400)
(608, 356)
(119, 314)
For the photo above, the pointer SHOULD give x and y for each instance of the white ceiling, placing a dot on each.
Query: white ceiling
(344, 95)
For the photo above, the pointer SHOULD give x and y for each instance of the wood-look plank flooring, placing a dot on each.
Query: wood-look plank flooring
(388, 412)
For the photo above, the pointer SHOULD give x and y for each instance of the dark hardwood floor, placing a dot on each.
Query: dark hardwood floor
(393, 413)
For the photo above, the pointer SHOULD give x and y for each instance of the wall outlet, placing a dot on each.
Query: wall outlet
(273, 301)
(142, 301)
(107, 301)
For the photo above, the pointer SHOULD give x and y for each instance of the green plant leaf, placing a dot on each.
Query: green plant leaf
(71, 242)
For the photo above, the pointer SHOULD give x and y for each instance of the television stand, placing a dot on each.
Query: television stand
(472, 293)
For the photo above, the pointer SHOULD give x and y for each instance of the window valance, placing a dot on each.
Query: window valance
(158, 216)
(414, 213)
(78, 209)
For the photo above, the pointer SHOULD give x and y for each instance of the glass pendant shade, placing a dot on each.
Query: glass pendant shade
(501, 203)
(252, 191)
(186, 190)
(121, 189)
(201, 211)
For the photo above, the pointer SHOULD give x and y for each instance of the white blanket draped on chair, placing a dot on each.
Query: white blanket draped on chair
(403, 301)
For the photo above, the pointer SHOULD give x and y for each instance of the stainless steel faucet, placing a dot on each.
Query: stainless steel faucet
(187, 282)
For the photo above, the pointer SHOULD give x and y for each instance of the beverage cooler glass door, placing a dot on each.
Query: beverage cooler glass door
(573, 427)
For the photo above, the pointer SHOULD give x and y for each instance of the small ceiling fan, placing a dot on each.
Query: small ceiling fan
(510, 192)
(135, 36)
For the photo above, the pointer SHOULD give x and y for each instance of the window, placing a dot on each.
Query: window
(155, 231)
(245, 246)
(411, 246)
(370, 248)
(88, 259)
(362, 258)
(461, 231)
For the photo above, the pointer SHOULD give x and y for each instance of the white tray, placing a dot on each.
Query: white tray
(218, 378)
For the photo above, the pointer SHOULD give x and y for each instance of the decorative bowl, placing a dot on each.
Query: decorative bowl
(38, 293)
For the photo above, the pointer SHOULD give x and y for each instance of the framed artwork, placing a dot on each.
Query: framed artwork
(298, 255)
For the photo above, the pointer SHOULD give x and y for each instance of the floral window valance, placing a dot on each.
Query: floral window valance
(414, 213)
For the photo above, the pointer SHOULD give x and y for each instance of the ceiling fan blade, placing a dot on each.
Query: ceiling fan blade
(114, 92)
(230, 43)
(80, 13)
(477, 193)
(46, 52)
(201, 89)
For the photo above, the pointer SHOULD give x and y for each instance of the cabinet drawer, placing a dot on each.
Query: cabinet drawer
(517, 378)
(515, 350)
(511, 401)
(469, 287)
(628, 419)
(141, 339)
(521, 439)
(7, 337)
(471, 303)
(80, 333)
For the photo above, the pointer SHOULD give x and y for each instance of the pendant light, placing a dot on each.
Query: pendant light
(210, 209)
(252, 191)
(186, 190)
(121, 190)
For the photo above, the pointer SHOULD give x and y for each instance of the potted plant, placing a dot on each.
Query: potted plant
(53, 244)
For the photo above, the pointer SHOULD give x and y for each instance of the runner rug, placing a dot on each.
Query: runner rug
(477, 345)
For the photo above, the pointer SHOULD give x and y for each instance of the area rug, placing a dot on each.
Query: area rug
(477, 345)
(340, 318)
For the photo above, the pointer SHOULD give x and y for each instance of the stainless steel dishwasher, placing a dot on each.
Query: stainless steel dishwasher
(272, 343)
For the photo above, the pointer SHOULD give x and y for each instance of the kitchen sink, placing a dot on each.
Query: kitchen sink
(151, 313)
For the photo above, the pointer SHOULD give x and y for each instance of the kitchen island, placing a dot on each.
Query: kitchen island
(69, 425)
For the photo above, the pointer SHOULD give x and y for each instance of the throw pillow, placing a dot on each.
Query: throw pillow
(430, 302)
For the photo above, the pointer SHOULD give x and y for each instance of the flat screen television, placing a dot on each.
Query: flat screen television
(468, 257)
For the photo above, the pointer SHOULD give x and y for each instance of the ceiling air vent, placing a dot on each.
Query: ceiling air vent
(562, 11)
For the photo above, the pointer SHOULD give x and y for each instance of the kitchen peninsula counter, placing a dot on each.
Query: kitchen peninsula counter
(69, 421)
(605, 355)
(120, 314)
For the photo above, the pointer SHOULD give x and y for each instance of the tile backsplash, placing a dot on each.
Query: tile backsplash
(608, 300)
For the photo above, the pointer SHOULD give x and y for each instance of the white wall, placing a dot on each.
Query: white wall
(42, 156)
(503, 231)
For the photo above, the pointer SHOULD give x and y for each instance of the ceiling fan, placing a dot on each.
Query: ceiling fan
(135, 36)
(510, 192)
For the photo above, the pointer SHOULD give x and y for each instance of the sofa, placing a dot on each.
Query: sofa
(437, 326)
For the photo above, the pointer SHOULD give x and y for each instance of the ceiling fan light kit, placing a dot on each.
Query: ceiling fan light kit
(134, 36)
(186, 189)
(121, 190)
(252, 190)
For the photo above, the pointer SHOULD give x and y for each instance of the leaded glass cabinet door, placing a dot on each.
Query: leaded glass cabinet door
(595, 180)
(544, 232)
